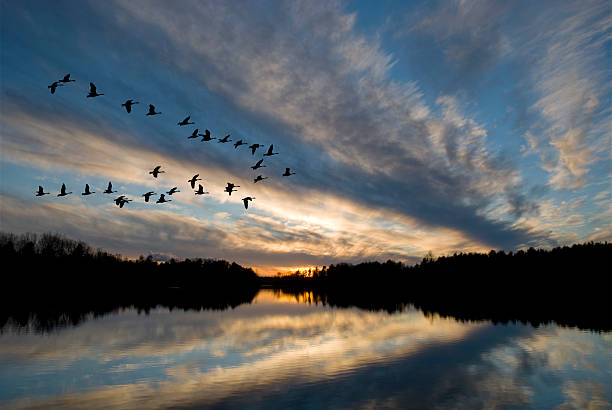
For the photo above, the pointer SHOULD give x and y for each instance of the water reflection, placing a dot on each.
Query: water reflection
(290, 351)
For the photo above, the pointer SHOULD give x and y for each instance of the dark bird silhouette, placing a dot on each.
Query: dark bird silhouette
(185, 121)
(121, 200)
(246, 201)
(63, 191)
(54, 86)
(40, 191)
(162, 199)
(194, 134)
(173, 191)
(193, 180)
(258, 165)
(259, 178)
(288, 173)
(66, 79)
(109, 190)
(87, 191)
(148, 195)
(92, 91)
(128, 105)
(225, 139)
(239, 143)
(206, 136)
(152, 110)
(270, 153)
(200, 190)
(254, 148)
(156, 171)
(230, 188)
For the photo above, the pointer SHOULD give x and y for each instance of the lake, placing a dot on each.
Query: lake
(285, 351)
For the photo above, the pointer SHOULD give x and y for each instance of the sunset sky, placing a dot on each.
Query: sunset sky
(412, 126)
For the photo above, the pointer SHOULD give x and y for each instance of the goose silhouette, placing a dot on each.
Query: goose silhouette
(87, 191)
(225, 139)
(200, 190)
(63, 191)
(148, 195)
(194, 134)
(206, 136)
(40, 191)
(156, 171)
(270, 153)
(162, 199)
(128, 105)
(258, 165)
(122, 200)
(119, 199)
(288, 172)
(246, 201)
(239, 143)
(193, 180)
(173, 191)
(230, 188)
(92, 91)
(54, 86)
(254, 148)
(152, 110)
(109, 190)
(259, 178)
(185, 121)
(66, 79)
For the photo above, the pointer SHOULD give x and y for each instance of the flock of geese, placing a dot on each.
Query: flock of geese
(121, 200)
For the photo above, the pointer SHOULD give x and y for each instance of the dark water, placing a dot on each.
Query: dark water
(280, 352)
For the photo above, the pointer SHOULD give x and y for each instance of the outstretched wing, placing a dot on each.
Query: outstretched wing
(92, 88)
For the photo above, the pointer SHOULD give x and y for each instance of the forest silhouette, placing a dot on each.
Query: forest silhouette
(53, 281)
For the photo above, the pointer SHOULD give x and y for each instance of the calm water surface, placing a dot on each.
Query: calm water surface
(279, 352)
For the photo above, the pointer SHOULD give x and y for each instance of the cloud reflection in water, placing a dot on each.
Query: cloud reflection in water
(278, 352)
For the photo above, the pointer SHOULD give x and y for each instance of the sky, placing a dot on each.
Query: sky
(412, 127)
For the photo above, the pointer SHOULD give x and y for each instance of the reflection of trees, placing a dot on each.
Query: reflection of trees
(50, 281)
(565, 285)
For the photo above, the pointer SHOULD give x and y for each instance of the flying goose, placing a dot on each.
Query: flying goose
(288, 173)
(185, 121)
(156, 171)
(194, 134)
(200, 190)
(254, 148)
(239, 143)
(270, 153)
(128, 105)
(148, 195)
(224, 139)
(162, 199)
(109, 190)
(173, 191)
(87, 191)
(259, 178)
(246, 201)
(152, 110)
(40, 191)
(258, 165)
(66, 79)
(54, 86)
(92, 91)
(63, 191)
(193, 180)
(230, 188)
(206, 136)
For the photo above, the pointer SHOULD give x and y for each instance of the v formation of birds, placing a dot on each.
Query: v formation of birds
(121, 200)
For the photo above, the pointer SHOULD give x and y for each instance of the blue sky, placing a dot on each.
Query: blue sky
(411, 126)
